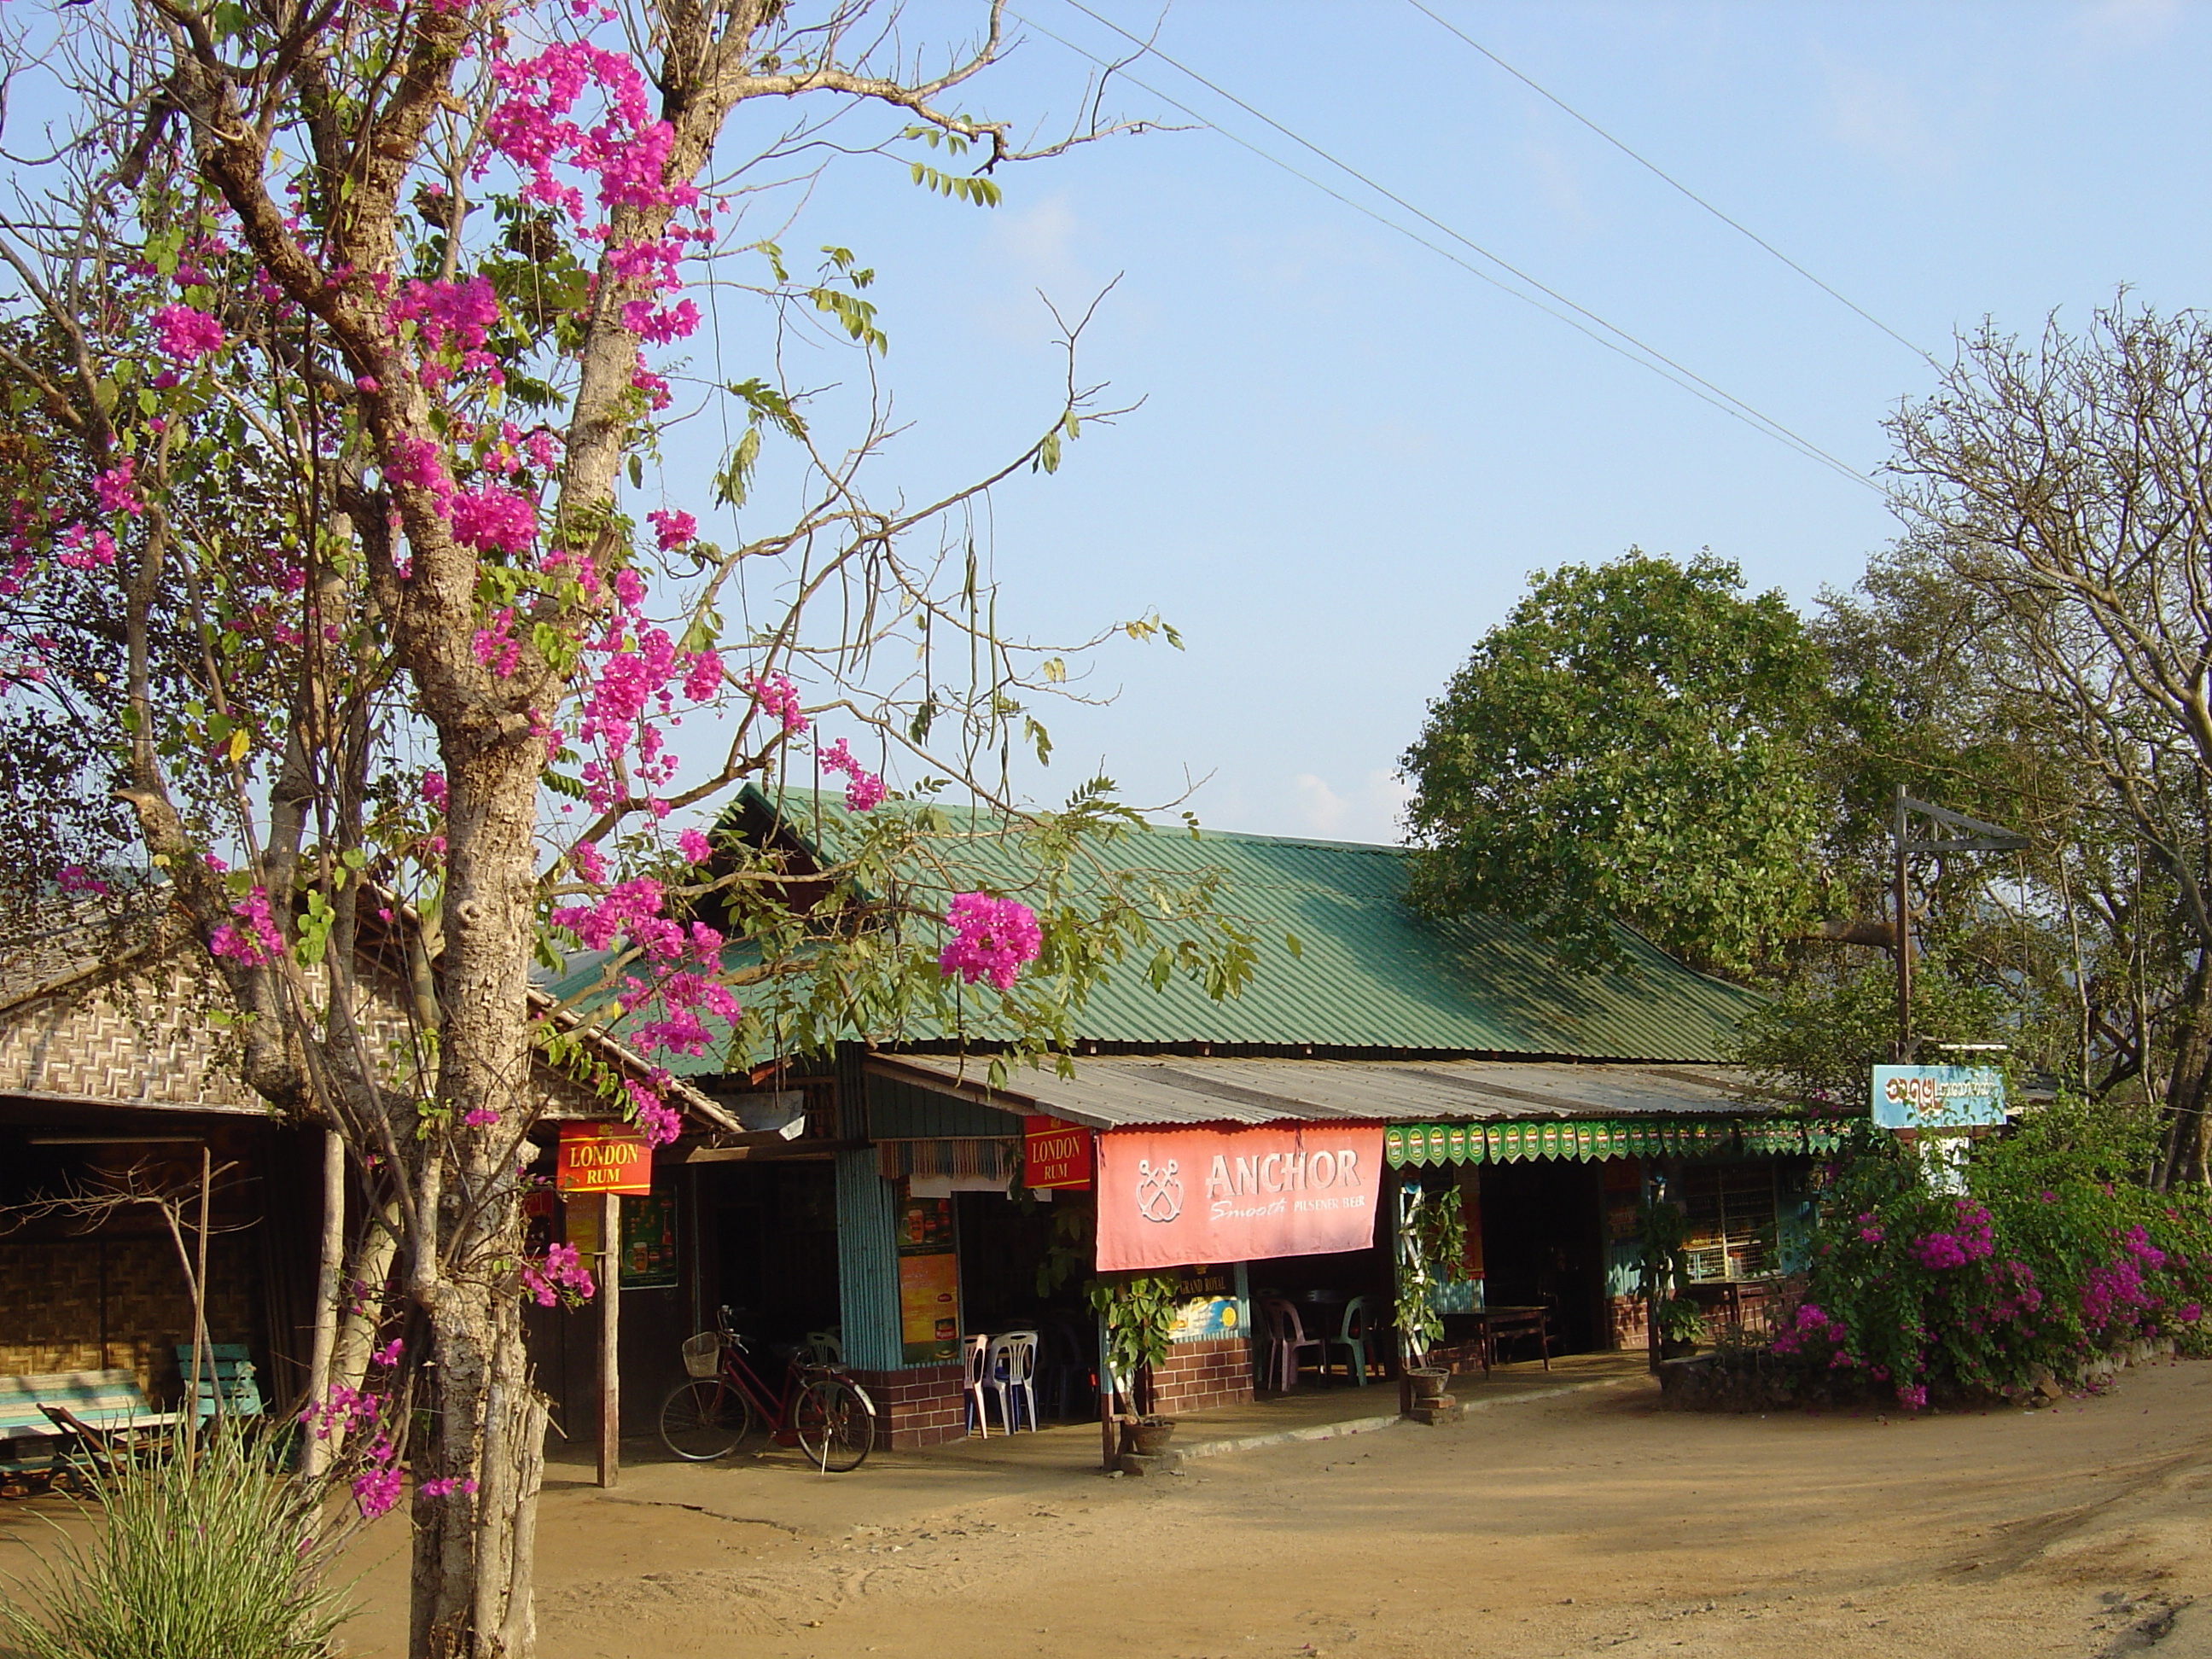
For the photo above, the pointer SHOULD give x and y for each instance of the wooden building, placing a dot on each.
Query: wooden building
(901, 1220)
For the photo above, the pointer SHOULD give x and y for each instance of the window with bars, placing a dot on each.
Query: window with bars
(1731, 1209)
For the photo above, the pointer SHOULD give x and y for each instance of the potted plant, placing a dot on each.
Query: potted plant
(1139, 1311)
(1682, 1324)
(1663, 1277)
(1432, 1244)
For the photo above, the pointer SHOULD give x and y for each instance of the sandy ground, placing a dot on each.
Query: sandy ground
(1585, 1522)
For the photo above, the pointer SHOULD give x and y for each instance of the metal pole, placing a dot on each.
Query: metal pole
(1903, 941)
(609, 1328)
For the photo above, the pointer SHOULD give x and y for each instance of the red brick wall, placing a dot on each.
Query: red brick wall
(1625, 1314)
(1200, 1376)
(923, 1406)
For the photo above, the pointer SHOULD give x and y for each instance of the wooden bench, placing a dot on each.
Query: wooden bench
(41, 1415)
(226, 1383)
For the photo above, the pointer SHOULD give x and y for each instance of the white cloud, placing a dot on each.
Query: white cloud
(1559, 183)
(2127, 23)
(1368, 811)
(1883, 115)
(1035, 246)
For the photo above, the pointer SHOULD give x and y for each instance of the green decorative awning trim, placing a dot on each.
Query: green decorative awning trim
(1586, 1140)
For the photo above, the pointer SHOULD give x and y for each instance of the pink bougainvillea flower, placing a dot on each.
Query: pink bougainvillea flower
(673, 529)
(991, 938)
(75, 878)
(118, 488)
(778, 697)
(434, 789)
(490, 518)
(694, 847)
(185, 334)
(250, 936)
(84, 548)
(863, 790)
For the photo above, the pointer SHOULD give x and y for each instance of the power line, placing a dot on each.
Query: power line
(1660, 173)
(1652, 358)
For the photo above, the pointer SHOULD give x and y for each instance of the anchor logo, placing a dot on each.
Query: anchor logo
(1159, 1195)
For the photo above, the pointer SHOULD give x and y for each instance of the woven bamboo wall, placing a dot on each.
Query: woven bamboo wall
(97, 1303)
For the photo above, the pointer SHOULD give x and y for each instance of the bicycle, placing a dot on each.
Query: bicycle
(819, 1409)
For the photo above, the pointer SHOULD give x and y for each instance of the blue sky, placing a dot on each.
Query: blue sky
(1352, 453)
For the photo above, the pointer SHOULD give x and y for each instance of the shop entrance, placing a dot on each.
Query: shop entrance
(775, 1246)
(1543, 1244)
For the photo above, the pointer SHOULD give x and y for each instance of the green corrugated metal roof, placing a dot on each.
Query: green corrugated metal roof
(1374, 974)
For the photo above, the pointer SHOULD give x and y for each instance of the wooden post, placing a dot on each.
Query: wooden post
(200, 1307)
(1902, 901)
(1110, 1451)
(609, 1328)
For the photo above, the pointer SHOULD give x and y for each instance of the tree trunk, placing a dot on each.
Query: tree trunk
(471, 1585)
(330, 1280)
(2183, 1160)
(471, 1576)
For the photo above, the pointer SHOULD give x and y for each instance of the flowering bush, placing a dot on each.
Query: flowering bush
(2053, 1257)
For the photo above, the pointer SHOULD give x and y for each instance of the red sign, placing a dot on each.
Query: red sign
(1055, 1154)
(1167, 1197)
(603, 1158)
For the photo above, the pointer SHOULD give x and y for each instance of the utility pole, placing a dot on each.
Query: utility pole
(1980, 838)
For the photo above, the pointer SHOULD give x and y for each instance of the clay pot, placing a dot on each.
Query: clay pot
(1148, 1436)
(1428, 1382)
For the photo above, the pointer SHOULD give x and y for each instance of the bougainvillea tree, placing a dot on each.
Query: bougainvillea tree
(349, 609)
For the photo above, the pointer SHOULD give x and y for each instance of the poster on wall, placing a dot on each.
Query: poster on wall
(1171, 1197)
(929, 1282)
(648, 1238)
(1210, 1309)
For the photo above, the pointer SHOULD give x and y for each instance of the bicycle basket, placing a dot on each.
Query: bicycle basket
(703, 1354)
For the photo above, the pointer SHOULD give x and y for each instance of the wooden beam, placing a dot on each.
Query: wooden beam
(609, 1331)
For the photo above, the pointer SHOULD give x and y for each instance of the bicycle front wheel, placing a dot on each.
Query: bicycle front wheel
(704, 1419)
(836, 1425)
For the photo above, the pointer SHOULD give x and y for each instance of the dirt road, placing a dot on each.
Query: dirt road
(1588, 1523)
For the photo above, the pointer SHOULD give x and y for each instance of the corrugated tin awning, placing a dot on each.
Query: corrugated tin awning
(1120, 1091)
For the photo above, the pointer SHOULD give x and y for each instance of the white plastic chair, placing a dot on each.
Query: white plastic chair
(1011, 1370)
(1287, 1339)
(977, 1352)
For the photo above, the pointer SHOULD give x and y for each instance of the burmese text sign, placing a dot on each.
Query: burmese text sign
(1938, 1097)
(1170, 1197)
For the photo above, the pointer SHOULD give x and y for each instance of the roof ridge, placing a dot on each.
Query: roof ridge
(1392, 849)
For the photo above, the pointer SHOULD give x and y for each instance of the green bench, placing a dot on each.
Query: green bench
(40, 1415)
(227, 1382)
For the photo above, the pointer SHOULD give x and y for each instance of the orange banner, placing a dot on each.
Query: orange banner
(1055, 1154)
(603, 1158)
(1168, 1197)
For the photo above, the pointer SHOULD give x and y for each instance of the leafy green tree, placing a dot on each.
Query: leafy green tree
(1633, 744)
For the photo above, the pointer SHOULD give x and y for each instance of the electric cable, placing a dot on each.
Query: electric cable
(1674, 373)
(1668, 179)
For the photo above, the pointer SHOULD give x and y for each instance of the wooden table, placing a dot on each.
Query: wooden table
(1489, 1324)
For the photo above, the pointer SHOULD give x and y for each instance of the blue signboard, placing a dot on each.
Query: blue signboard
(1937, 1097)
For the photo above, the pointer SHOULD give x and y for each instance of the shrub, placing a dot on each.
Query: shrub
(2053, 1256)
(218, 1552)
